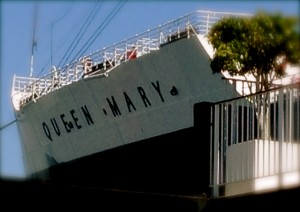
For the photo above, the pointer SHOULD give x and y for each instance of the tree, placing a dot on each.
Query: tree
(261, 45)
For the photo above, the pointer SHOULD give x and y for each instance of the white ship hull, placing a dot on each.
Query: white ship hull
(143, 98)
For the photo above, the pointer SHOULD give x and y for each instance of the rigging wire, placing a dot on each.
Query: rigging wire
(114, 12)
(8, 124)
(54, 22)
(81, 32)
(52, 25)
(100, 29)
(64, 15)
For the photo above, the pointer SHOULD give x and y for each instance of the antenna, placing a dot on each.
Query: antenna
(33, 40)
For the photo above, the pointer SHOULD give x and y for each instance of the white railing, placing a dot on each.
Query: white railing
(101, 62)
(255, 142)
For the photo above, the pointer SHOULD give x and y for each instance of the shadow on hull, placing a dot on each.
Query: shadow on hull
(174, 163)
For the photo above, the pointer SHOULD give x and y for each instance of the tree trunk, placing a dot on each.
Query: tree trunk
(262, 105)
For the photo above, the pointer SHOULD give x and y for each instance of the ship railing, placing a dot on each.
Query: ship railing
(27, 89)
(105, 60)
(255, 142)
(206, 19)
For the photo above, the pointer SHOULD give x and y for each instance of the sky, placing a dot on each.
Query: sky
(59, 22)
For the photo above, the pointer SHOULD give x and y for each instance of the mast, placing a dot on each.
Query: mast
(33, 45)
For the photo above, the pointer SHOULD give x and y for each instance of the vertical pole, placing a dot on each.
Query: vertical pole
(33, 41)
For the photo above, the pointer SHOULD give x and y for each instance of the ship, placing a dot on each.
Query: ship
(133, 116)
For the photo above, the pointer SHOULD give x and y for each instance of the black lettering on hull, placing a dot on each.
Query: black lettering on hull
(47, 131)
(128, 102)
(157, 88)
(55, 126)
(143, 96)
(114, 106)
(72, 120)
(68, 125)
(75, 119)
(87, 115)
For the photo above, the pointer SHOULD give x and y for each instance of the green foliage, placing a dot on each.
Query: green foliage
(261, 45)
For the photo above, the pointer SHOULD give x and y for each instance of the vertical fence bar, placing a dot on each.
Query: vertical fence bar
(216, 152)
(280, 133)
(297, 126)
(212, 148)
(231, 135)
(242, 152)
(248, 139)
(221, 144)
(275, 129)
(291, 115)
(226, 139)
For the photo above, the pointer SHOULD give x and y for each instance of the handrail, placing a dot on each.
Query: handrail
(26, 89)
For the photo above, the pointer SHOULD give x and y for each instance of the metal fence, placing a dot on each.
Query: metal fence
(255, 142)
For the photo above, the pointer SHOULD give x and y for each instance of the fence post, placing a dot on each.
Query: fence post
(215, 152)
